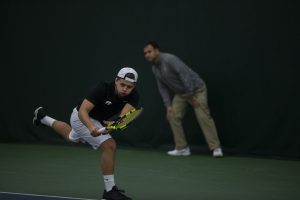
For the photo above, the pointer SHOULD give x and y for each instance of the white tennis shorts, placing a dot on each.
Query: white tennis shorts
(80, 133)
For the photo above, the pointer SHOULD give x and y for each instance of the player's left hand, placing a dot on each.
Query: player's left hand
(108, 122)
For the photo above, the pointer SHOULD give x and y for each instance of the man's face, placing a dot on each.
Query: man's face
(123, 87)
(151, 54)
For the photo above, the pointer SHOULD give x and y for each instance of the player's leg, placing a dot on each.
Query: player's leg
(60, 127)
(207, 123)
(108, 147)
(111, 191)
(179, 107)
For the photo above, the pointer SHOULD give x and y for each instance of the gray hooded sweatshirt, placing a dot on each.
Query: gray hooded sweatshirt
(175, 77)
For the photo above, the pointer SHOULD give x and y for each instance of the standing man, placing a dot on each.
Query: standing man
(179, 86)
(94, 112)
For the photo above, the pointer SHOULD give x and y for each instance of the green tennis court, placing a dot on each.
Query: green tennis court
(73, 171)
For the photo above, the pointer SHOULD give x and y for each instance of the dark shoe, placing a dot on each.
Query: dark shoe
(39, 114)
(115, 194)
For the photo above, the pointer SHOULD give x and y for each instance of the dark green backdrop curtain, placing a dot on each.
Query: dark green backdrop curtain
(54, 51)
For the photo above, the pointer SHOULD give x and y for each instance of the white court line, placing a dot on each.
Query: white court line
(39, 195)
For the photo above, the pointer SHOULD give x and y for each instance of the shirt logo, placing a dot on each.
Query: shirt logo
(108, 103)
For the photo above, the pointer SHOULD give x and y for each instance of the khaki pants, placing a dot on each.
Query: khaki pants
(206, 122)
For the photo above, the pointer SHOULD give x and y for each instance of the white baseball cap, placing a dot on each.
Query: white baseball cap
(128, 74)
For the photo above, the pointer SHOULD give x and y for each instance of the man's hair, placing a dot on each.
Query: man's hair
(153, 44)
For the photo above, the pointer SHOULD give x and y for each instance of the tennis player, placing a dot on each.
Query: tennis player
(105, 100)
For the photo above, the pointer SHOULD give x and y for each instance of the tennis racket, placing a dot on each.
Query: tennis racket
(123, 122)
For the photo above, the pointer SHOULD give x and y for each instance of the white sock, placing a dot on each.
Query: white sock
(48, 121)
(109, 182)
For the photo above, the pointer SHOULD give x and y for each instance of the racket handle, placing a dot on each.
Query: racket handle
(102, 130)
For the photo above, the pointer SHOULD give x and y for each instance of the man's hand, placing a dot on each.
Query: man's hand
(193, 101)
(169, 112)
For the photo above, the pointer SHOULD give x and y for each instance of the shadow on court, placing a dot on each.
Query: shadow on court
(73, 171)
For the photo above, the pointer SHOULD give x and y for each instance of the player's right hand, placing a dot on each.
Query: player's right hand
(95, 131)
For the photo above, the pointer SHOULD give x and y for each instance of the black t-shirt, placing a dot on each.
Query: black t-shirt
(106, 102)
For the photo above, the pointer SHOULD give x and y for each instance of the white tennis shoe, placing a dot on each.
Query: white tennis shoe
(180, 152)
(217, 153)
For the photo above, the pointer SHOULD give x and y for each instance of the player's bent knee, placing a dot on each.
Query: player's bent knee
(109, 144)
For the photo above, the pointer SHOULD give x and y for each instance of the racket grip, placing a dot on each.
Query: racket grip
(102, 130)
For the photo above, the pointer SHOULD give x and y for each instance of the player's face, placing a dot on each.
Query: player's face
(151, 54)
(123, 87)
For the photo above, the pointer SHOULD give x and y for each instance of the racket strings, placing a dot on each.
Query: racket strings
(128, 118)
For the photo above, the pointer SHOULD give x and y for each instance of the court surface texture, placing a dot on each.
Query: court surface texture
(54, 172)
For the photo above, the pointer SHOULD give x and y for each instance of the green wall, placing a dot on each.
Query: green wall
(54, 51)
